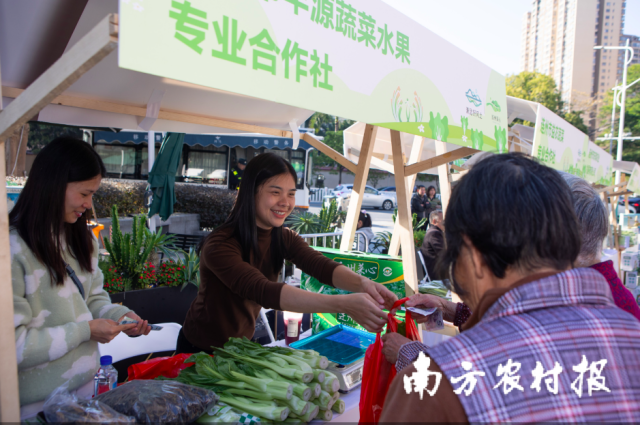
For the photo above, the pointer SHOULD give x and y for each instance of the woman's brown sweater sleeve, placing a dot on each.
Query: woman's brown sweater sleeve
(308, 259)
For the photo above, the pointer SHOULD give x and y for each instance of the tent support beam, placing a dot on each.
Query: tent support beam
(405, 227)
(441, 159)
(362, 173)
(414, 156)
(96, 105)
(333, 154)
(90, 50)
(443, 174)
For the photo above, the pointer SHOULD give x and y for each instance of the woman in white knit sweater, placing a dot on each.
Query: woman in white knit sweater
(59, 322)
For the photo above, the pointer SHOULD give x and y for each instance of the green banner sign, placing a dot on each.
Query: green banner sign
(358, 59)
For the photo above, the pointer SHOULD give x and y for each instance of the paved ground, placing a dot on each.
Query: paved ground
(381, 219)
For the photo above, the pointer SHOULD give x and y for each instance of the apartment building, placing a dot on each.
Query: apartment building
(634, 43)
(558, 37)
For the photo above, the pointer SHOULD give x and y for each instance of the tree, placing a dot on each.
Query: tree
(575, 119)
(323, 123)
(536, 87)
(632, 112)
(542, 88)
(335, 140)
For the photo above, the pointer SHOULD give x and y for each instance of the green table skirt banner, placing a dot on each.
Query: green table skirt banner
(377, 267)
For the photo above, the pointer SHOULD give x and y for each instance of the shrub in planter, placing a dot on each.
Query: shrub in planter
(171, 274)
(113, 282)
(147, 277)
(418, 237)
(129, 252)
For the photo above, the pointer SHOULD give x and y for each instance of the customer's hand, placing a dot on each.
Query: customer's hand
(104, 330)
(391, 344)
(384, 297)
(142, 327)
(448, 308)
(365, 310)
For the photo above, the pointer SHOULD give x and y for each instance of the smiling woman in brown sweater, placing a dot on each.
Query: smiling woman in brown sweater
(240, 261)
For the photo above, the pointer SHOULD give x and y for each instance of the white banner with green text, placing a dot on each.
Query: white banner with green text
(357, 59)
(561, 146)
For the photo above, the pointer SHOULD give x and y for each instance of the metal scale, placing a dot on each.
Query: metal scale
(345, 348)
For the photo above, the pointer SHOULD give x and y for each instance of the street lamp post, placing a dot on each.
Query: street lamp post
(628, 57)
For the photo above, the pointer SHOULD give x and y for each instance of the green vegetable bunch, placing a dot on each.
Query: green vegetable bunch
(272, 383)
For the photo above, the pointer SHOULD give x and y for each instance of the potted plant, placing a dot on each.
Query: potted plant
(134, 282)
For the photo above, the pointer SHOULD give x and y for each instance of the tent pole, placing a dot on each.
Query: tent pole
(362, 173)
(443, 174)
(404, 218)
(151, 156)
(414, 156)
(9, 395)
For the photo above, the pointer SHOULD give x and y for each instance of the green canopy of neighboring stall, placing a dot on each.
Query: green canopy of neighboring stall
(162, 177)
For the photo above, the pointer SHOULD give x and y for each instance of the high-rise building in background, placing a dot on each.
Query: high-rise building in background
(634, 43)
(558, 37)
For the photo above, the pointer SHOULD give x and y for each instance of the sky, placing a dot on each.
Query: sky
(488, 30)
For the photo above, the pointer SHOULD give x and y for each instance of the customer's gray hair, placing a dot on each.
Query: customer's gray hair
(592, 213)
(437, 215)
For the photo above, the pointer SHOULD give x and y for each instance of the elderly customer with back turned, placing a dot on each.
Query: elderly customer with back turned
(593, 219)
(545, 342)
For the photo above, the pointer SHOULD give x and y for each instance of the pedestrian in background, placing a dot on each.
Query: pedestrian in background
(419, 204)
(236, 174)
(432, 203)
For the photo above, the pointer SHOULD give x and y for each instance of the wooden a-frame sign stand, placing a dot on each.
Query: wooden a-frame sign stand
(91, 49)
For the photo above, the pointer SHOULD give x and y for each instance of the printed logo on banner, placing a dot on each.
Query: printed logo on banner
(494, 105)
(474, 98)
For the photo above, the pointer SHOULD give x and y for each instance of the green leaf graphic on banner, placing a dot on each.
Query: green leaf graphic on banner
(500, 134)
(477, 139)
(439, 127)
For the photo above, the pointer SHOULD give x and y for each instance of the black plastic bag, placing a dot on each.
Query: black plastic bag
(62, 406)
(159, 401)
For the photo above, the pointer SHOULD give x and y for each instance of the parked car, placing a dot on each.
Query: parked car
(387, 189)
(342, 190)
(372, 197)
(634, 206)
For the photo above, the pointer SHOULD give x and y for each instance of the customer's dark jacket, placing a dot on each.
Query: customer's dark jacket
(431, 246)
(418, 205)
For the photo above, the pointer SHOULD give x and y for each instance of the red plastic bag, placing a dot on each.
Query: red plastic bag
(378, 373)
(169, 367)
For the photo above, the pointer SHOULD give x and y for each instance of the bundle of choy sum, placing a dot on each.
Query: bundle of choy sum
(272, 383)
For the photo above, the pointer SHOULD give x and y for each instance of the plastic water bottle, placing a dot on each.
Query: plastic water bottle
(107, 377)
